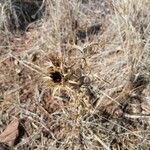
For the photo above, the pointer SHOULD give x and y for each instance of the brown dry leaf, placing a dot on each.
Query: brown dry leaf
(10, 134)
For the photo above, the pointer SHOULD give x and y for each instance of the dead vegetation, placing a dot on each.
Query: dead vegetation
(78, 77)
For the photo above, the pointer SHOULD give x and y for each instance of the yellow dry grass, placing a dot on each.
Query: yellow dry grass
(74, 91)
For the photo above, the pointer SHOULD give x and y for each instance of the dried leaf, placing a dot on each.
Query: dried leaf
(10, 134)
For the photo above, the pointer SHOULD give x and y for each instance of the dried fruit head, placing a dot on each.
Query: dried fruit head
(56, 77)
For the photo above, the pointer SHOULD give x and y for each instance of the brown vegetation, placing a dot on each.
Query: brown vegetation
(75, 74)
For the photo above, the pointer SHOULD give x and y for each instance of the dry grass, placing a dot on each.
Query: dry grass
(77, 86)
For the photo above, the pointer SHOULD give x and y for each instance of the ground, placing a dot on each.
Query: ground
(75, 75)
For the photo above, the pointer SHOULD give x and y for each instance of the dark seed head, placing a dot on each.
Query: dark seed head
(56, 77)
